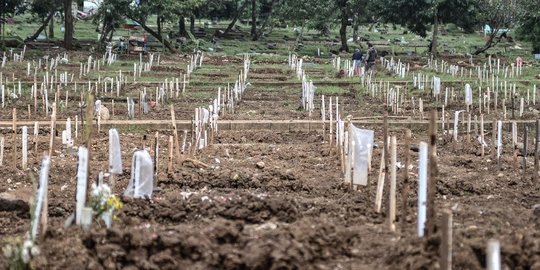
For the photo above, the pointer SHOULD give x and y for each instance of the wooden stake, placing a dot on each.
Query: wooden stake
(525, 150)
(2, 151)
(14, 127)
(53, 125)
(446, 246)
(175, 133)
(405, 191)
(392, 199)
(386, 155)
(380, 185)
(482, 134)
(170, 156)
(432, 173)
(536, 154)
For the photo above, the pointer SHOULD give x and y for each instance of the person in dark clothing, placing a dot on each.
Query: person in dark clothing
(357, 58)
(371, 57)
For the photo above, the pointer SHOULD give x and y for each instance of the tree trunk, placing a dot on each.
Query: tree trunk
(266, 20)
(192, 23)
(356, 26)
(253, 18)
(68, 25)
(182, 27)
(41, 28)
(51, 28)
(160, 38)
(489, 43)
(234, 20)
(434, 40)
(343, 31)
(159, 25)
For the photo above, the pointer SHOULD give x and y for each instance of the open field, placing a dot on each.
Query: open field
(267, 188)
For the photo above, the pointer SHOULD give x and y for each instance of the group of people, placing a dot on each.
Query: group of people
(358, 60)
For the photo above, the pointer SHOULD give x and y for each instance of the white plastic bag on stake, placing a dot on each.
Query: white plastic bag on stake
(363, 144)
(468, 95)
(142, 175)
(115, 154)
(422, 188)
(43, 183)
(436, 86)
(82, 178)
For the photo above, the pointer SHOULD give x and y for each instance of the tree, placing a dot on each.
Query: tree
(529, 24)
(9, 8)
(68, 25)
(342, 5)
(165, 10)
(43, 10)
(498, 15)
(421, 15)
(311, 14)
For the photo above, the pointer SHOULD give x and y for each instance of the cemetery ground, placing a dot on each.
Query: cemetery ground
(268, 192)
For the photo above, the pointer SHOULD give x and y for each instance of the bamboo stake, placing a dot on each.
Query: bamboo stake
(482, 135)
(14, 127)
(446, 246)
(386, 154)
(53, 125)
(392, 199)
(406, 187)
(175, 133)
(536, 154)
(432, 173)
(525, 150)
(170, 156)
(2, 151)
(380, 185)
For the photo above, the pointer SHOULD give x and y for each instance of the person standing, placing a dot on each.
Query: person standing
(357, 58)
(371, 57)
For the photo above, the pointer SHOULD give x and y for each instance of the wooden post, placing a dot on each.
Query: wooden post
(14, 142)
(392, 199)
(494, 138)
(1, 150)
(405, 191)
(170, 156)
(175, 133)
(53, 125)
(88, 132)
(525, 150)
(156, 159)
(468, 127)
(536, 154)
(446, 246)
(482, 135)
(432, 173)
(380, 185)
(386, 155)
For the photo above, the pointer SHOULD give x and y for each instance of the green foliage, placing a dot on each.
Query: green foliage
(529, 24)
(418, 15)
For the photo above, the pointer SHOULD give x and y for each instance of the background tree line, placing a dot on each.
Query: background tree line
(422, 17)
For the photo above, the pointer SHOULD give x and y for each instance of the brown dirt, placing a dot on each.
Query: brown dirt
(294, 212)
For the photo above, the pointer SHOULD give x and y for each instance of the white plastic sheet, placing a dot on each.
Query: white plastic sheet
(115, 153)
(468, 95)
(142, 176)
(436, 85)
(41, 193)
(82, 178)
(363, 149)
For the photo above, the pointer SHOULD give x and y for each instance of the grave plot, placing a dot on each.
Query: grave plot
(227, 180)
